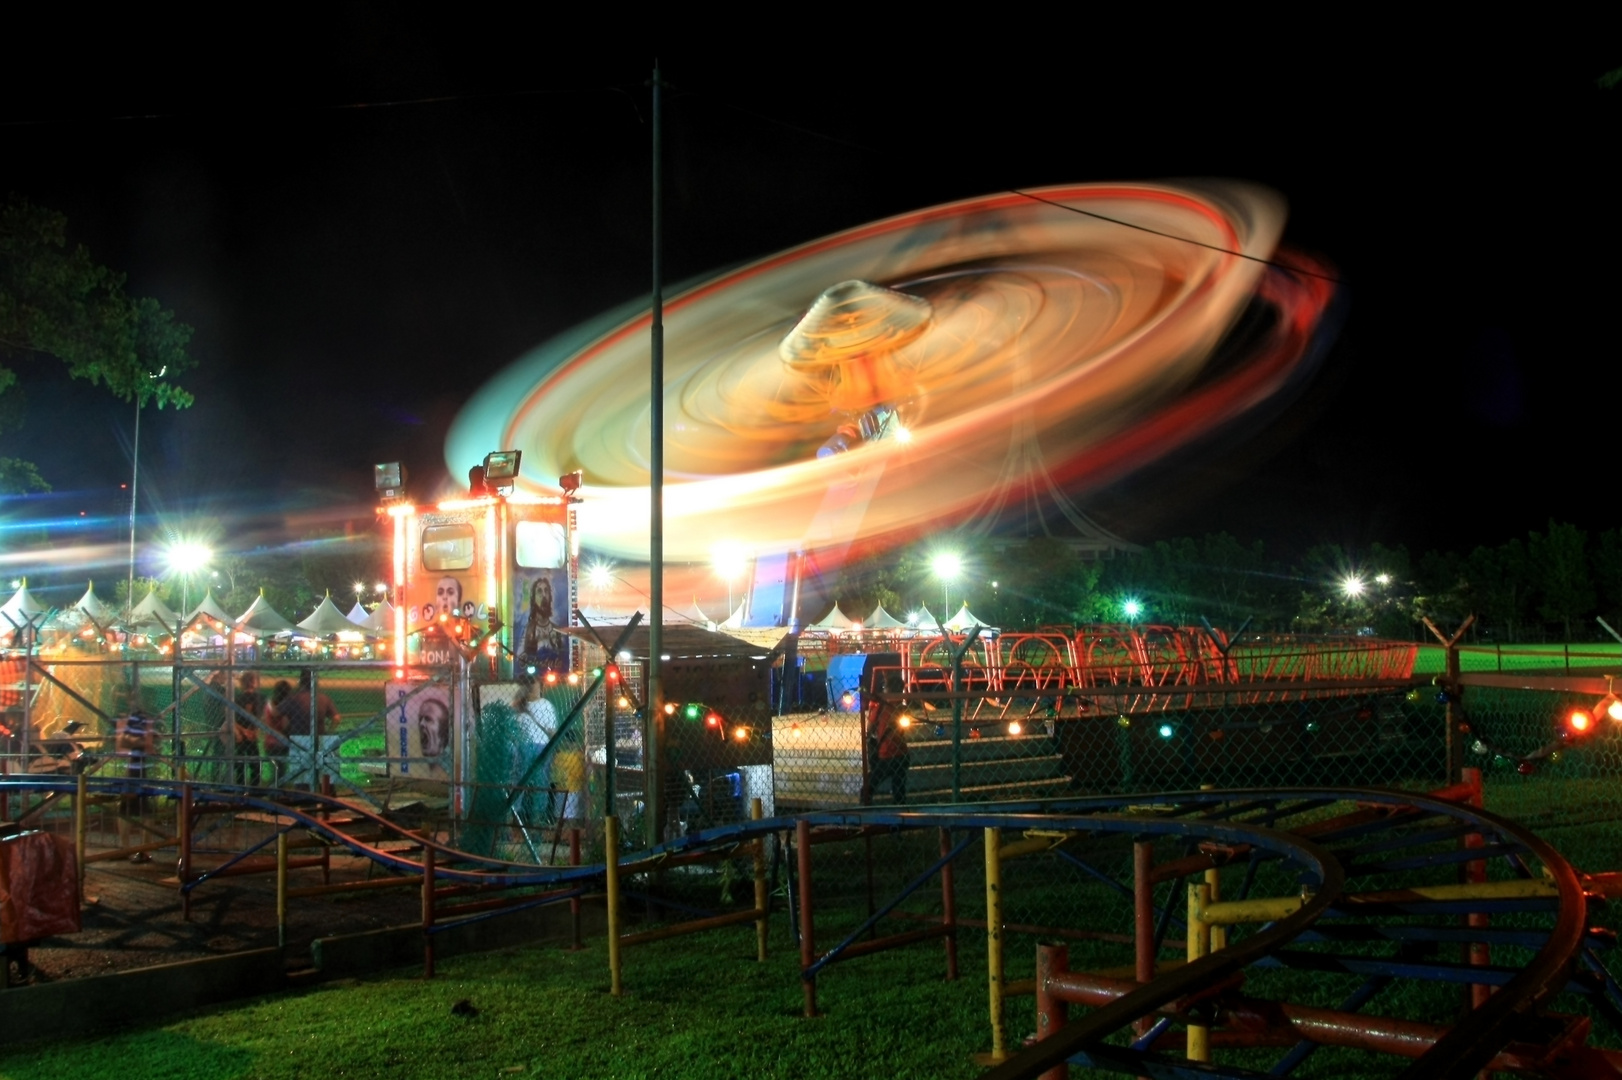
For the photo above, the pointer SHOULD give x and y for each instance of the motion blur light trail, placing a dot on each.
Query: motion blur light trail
(1014, 322)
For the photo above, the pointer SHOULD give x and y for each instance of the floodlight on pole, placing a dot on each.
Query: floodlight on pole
(1131, 608)
(1352, 586)
(187, 557)
(599, 575)
(947, 565)
(729, 560)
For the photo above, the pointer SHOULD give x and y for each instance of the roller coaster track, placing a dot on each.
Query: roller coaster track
(1365, 901)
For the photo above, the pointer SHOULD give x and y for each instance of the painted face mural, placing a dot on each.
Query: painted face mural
(448, 596)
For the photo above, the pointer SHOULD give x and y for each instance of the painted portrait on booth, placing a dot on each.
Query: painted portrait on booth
(540, 596)
(420, 730)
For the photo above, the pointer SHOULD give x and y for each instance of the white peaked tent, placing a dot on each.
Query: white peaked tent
(380, 623)
(209, 609)
(91, 606)
(358, 614)
(153, 613)
(834, 621)
(883, 620)
(19, 609)
(735, 620)
(924, 622)
(262, 620)
(325, 620)
(966, 620)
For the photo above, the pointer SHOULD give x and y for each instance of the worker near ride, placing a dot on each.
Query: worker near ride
(887, 754)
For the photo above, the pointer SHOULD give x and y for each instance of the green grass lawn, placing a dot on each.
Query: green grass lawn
(702, 1007)
(1586, 657)
(697, 1007)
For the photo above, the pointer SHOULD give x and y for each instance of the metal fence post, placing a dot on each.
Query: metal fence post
(994, 943)
(1199, 944)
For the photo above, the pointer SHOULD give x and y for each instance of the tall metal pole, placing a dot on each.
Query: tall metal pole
(135, 480)
(655, 698)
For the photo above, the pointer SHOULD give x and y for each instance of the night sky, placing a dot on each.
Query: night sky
(354, 274)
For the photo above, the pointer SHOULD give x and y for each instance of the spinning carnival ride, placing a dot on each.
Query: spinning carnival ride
(902, 374)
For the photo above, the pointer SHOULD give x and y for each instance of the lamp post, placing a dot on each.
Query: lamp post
(947, 566)
(185, 558)
(729, 561)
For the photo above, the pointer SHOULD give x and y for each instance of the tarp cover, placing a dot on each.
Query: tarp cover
(39, 887)
(677, 640)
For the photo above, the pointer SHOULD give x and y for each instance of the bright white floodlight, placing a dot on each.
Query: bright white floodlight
(1352, 586)
(187, 556)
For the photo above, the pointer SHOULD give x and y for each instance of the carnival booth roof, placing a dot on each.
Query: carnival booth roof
(209, 609)
(883, 620)
(966, 620)
(263, 620)
(326, 619)
(834, 620)
(153, 612)
(19, 609)
(678, 640)
(733, 621)
(358, 614)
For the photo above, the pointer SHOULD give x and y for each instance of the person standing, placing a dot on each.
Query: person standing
(537, 724)
(276, 732)
(302, 716)
(135, 739)
(887, 753)
(245, 731)
(216, 695)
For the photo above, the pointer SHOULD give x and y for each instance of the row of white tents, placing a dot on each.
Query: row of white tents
(880, 622)
(152, 616)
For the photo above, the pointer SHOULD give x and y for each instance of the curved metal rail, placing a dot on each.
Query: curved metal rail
(1352, 868)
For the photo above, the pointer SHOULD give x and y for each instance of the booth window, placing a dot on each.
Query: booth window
(447, 547)
(540, 545)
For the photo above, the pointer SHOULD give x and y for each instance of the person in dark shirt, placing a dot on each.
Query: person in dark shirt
(887, 751)
(299, 718)
(244, 733)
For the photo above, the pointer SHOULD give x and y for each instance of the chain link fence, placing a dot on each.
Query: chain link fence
(979, 719)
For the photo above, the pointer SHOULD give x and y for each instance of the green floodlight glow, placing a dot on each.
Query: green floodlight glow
(1167, 731)
(692, 711)
(1131, 608)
